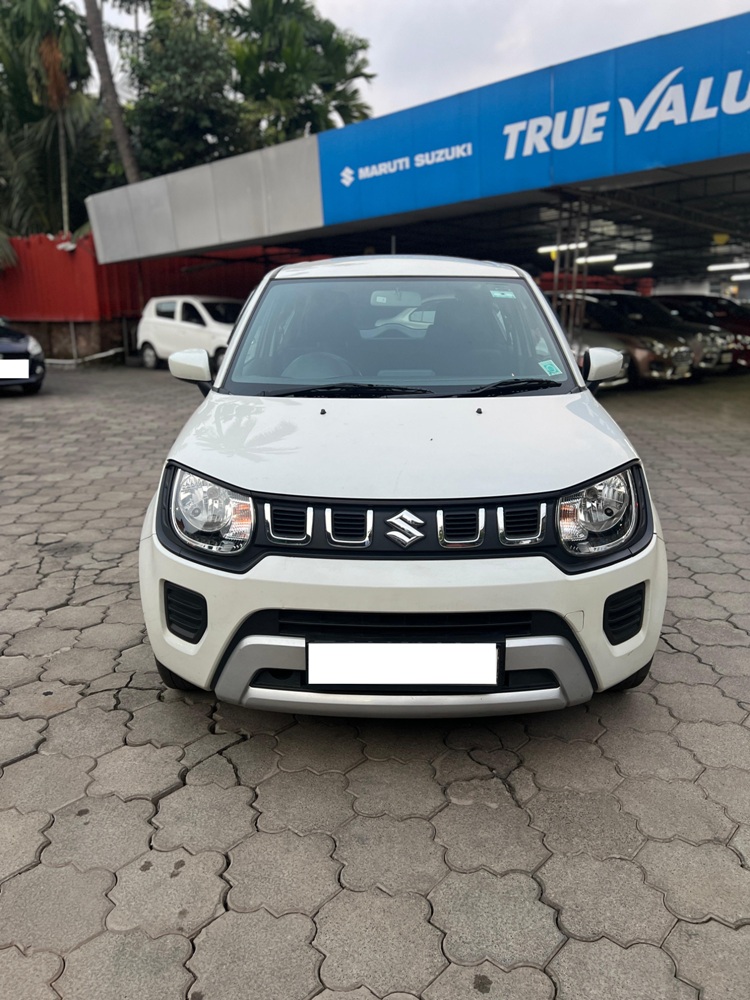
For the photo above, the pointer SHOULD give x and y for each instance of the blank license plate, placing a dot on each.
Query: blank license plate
(392, 664)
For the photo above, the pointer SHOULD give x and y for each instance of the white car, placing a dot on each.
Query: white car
(176, 322)
(442, 525)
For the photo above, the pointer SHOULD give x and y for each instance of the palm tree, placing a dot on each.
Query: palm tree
(45, 42)
(109, 92)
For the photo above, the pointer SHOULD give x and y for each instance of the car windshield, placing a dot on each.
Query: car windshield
(380, 336)
(223, 312)
(640, 310)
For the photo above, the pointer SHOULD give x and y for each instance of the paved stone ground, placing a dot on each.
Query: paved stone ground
(159, 846)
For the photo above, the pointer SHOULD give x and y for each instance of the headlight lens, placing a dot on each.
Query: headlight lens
(599, 517)
(35, 348)
(211, 517)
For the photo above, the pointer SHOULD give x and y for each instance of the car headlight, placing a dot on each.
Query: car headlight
(35, 348)
(211, 517)
(599, 517)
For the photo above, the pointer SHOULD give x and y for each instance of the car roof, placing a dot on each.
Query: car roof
(398, 265)
(192, 295)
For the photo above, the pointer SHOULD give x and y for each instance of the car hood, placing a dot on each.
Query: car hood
(402, 449)
(636, 335)
(12, 340)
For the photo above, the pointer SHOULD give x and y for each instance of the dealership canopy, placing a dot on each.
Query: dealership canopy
(653, 137)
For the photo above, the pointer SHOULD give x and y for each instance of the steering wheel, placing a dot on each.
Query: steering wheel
(317, 365)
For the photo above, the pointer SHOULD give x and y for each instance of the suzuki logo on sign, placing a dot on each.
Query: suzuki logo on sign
(407, 533)
(347, 176)
(667, 103)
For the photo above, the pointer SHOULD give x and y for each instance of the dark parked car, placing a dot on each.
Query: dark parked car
(21, 347)
(730, 316)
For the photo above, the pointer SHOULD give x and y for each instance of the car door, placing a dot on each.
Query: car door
(193, 332)
(163, 332)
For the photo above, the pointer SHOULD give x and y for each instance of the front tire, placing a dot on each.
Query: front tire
(634, 680)
(31, 389)
(149, 357)
(173, 680)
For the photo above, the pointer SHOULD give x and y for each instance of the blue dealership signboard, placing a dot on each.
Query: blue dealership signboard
(676, 99)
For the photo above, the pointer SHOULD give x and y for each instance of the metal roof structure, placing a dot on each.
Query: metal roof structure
(642, 151)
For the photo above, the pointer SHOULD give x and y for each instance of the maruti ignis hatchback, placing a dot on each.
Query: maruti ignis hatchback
(430, 515)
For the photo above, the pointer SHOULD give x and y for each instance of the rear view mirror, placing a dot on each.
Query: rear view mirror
(192, 365)
(395, 298)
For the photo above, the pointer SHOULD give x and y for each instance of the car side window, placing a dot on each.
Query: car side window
(166, 310)
(191, 315)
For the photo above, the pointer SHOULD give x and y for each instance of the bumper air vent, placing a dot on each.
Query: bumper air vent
(522, 522)
(349, 525)
(623, 614)
(186, 612)
(288, 522)
(460, 524)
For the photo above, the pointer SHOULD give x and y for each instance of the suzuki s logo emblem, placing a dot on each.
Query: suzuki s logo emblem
(347, 176)
(407, 532)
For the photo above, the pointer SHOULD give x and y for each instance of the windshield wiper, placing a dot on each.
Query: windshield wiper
(510, 385)
(354, 389)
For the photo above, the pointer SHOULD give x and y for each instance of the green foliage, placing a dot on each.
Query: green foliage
(296, 70)
(184, 114)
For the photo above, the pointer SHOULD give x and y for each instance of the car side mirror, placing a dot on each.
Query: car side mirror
(192, 365)
(600, 363)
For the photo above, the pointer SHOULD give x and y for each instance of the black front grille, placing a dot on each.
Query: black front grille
(521, 522)
(288, 522)
(186, 612)
(349, 525)
(329, 626)
(460, 524)
(623, 614)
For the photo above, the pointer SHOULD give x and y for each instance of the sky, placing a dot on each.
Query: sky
(422, 50)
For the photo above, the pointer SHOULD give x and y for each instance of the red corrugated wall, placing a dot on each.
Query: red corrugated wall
(52, 285)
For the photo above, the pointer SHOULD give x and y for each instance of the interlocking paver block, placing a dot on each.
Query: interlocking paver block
(592, 822)
(731, 787)
(172, 724)
(698, 703)
(500, 762)
(676, 668)
(460, 982)
(99, 833)
(283, 872)
(53, 909)
(404, 741)
(576, 765)
(256, 954)
(737, 688)
(576, 723)
(131, 699)
(714, 957)
(666, 809)
(21, 839)
(79, 666)
(483, 827)
(399, 789)
(632, 710)
(204, 818)
(500, 919)
(85, 732)
(319, 747)
(725, 745)
(215, 770)
(729, 661)
(715, 633)
(255, 759)
(19, 737)
(12, 622)
(303, 801)
(249, 721)
(137, 772)
(43, 641)
(591, 970)
(45, 783)
(76, 618)
(121, 966)
(166, 892)
(605, 897)
(379, 941)
(40, 699)
(699, 882)
(646, 754)
(473, 736)
(17, 671)
(25, 977)
(397, 855)
(457, 765)
(112, 636)
(207, 746)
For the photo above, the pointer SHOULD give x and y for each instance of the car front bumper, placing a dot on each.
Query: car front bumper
(229, 656)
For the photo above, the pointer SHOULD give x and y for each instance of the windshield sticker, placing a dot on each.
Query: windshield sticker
(550, 367)
(498, 293)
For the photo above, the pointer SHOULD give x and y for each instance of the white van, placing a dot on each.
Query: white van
(175, 322)
(400, 518)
